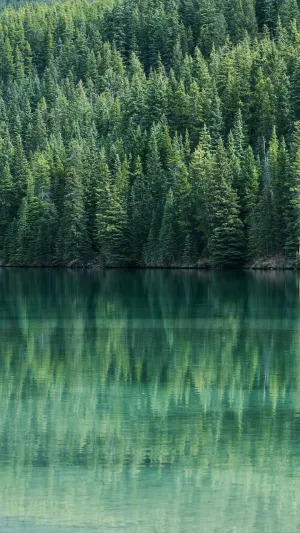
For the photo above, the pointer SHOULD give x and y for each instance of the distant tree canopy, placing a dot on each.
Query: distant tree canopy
(149, 132)
(15, 4)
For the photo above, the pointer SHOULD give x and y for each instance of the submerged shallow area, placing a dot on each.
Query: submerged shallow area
(149, 401)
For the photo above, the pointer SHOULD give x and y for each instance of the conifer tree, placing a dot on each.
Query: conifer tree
(263, 219)
(189, 253)
(140, 211)
(249, 194)
(105, 108)
(20, 173)
(18, 253)
(215, 118)
(151, 248)
(167, 239)
(111, 218)
(46, 234)
(295, 90)
(293, 199)
(201, 168)
(73, 241)
(226, 241)
(6, 202)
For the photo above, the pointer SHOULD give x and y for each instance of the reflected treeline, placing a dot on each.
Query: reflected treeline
(127, 372)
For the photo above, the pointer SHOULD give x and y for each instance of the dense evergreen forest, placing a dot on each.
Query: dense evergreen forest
(149, 132)
(18, 3)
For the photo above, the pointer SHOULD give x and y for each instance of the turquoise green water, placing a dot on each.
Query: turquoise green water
(149, 402)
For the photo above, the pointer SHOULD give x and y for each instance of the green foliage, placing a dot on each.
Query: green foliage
(111, 215)
(72, 242)
(226, 240)
(167, 238)
(149, 133)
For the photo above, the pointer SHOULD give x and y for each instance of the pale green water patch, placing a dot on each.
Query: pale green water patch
(149, 401)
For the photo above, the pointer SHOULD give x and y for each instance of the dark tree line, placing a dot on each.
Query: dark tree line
(149, 132)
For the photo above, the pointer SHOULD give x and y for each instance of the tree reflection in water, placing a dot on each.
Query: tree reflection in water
(150, 400)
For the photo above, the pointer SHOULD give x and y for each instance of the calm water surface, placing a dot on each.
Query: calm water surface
(149, 402)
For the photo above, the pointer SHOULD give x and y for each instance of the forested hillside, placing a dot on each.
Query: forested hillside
(18, 3)
(150, 132)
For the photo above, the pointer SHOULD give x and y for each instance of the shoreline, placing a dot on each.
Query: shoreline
(265, 264)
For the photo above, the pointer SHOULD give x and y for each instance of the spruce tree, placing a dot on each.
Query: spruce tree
(112, 221)
(140, 211)
(215, 118)
(201, 169)
(153, 88)
(6, 202)
(167, 238)
(293, 198)
(20, 173)
(72, 239)
(249, 195)
(226, 241)
(151, 248)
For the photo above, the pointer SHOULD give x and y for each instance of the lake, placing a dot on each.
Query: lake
(149, 401)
